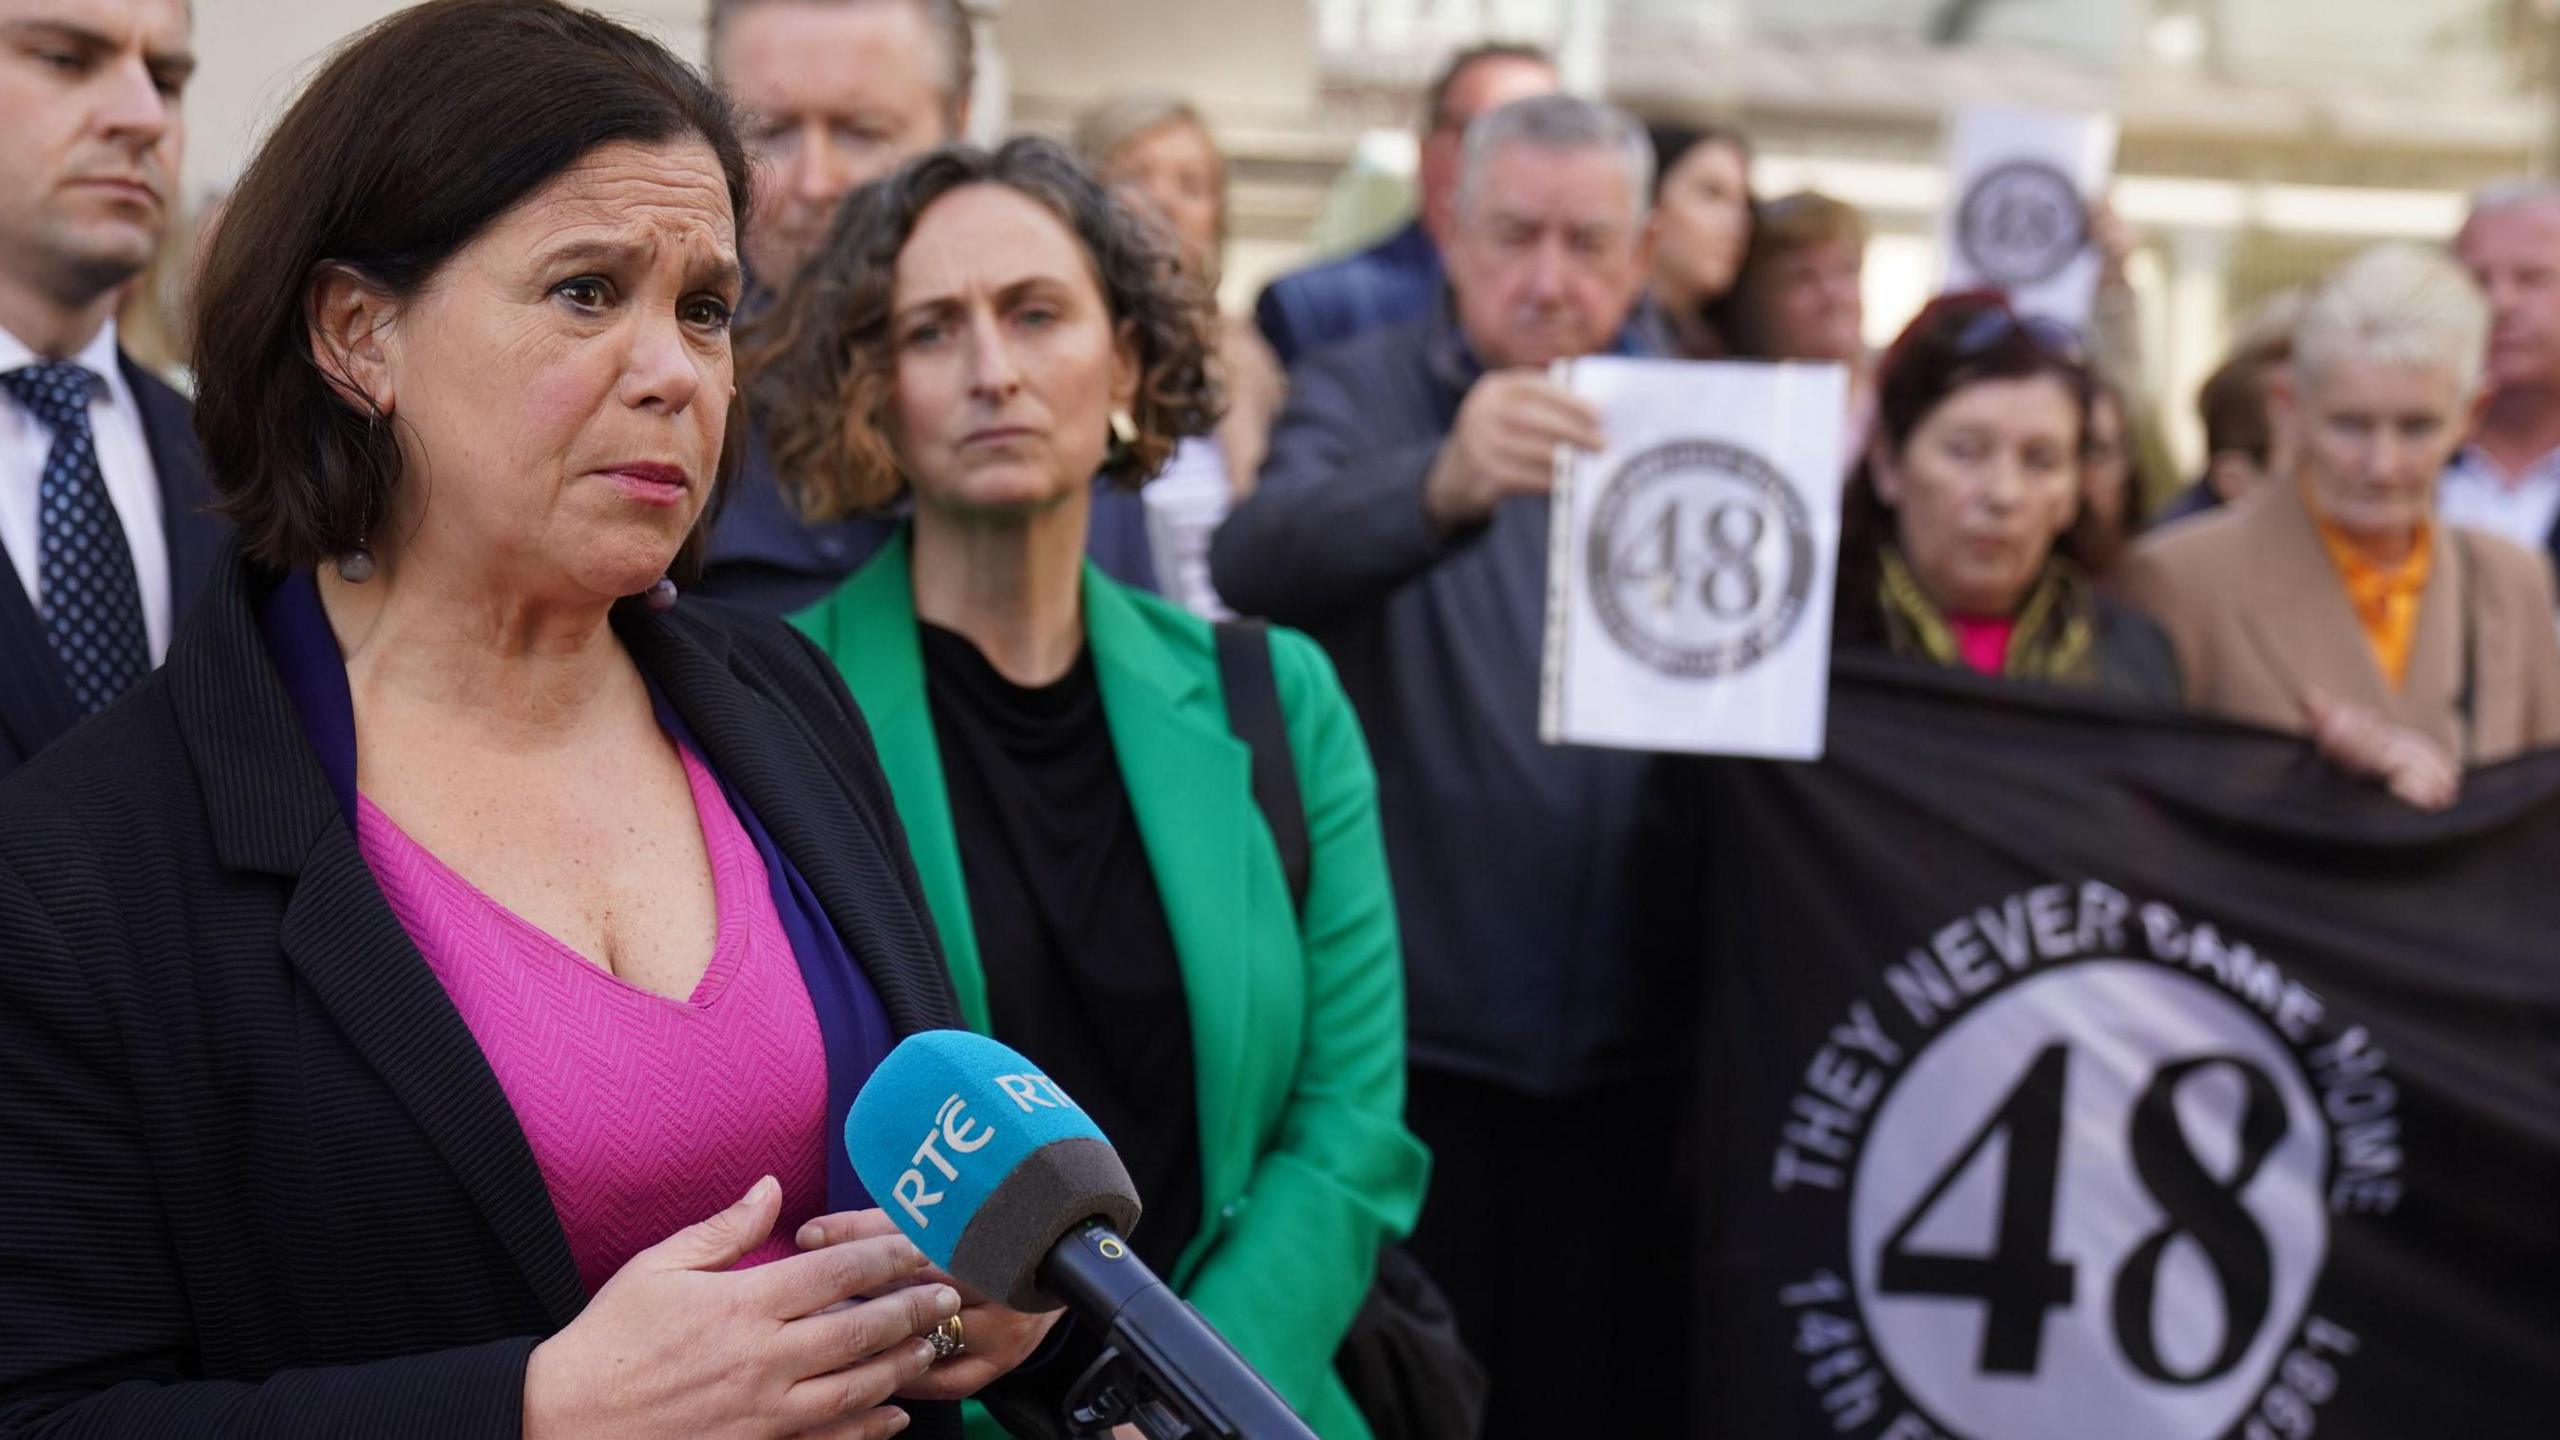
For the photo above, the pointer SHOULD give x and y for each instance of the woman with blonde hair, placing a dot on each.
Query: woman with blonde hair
(1156, 153)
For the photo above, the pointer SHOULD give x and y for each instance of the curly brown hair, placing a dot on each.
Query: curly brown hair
(822, 368)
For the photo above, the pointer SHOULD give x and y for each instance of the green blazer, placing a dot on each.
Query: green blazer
(1297, 1025)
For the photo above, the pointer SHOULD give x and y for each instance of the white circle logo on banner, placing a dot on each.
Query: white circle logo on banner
(2092, 1207)
(1701, 558)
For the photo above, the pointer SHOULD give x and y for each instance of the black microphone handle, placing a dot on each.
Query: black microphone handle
(1191, 1366)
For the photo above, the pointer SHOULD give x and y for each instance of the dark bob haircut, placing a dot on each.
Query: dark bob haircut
(417, 135)
(1956, 340)
(824, 368)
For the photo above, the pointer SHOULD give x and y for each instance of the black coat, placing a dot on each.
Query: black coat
(1529, 962)
(256, 1176)
(35, 701)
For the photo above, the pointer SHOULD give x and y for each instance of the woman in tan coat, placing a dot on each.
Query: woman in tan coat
(2337, 601)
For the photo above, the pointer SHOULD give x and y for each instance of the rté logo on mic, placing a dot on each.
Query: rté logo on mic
(954, 1130)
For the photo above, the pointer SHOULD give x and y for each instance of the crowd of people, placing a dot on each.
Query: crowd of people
(672, 582)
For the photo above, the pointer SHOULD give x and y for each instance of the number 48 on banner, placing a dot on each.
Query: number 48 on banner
(2062, 1224)
(2020, 1280)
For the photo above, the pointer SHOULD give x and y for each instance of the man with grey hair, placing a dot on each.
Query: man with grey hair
(2339, 603)
(1402, 520)
(833, 94)
(2506, 480)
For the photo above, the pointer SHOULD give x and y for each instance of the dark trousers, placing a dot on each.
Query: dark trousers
(1561, 1230)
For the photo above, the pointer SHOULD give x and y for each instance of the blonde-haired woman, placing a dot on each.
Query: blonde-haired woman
(1156, 154)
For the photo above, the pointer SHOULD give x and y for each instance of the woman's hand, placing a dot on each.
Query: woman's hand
(997, 1338)
(2361, 742)
(2114, 239)
(676, 1344)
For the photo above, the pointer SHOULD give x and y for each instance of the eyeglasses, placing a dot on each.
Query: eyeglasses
(1998, 323)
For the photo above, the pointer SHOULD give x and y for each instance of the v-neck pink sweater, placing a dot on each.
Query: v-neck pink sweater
(645, 1114)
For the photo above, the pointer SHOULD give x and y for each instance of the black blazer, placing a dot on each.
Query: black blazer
(35, 702)
(256, 1177)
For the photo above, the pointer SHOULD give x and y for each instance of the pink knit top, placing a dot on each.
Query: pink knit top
(646, 1114)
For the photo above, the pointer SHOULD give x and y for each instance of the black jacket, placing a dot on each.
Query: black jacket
(256, 1176)
(1527, 962)
(35, 701)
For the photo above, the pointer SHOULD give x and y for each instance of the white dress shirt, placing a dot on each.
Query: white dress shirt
(124, 458)
(2478, 495)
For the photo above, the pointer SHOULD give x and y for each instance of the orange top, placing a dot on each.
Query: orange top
(2385, 596)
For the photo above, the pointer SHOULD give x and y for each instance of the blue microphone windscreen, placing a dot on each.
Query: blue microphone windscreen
(952, 1119)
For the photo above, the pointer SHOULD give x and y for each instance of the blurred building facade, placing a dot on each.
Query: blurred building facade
(2262, 139)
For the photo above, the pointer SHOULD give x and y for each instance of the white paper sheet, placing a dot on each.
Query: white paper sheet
(2020, 183)
(1690, 570)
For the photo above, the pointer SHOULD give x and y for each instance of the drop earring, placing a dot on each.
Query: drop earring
(660, 596)
(1124, 439)
(356, 566)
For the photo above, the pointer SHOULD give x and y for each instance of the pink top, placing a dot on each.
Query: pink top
(1984, 643)
(646, 1114)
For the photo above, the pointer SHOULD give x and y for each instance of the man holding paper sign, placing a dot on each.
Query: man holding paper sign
(1402, 521)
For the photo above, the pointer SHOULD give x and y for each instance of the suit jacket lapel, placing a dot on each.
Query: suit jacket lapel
(193, 532)
(869, 629)
(847, 851)
(1189, 781)
(2428, 699)
(272, 811)
(2304, 626)
(361, 965)
(35, 702)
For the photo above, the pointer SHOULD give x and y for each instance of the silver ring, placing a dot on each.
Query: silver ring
(946, 1340)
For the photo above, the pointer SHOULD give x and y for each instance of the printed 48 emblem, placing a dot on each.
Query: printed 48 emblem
(2090, 1154)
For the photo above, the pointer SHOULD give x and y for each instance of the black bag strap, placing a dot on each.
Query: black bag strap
(1253, 713)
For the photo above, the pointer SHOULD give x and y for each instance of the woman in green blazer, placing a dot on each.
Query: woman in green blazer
(985, 333)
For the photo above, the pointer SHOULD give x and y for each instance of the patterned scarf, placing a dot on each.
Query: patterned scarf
(2056, 634)
(2385, 597)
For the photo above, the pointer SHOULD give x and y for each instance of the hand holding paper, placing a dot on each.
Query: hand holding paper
(1504, 444)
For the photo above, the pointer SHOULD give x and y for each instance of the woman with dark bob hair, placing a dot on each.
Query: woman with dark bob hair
(430, 1002)
(1956, 542)
(987, 332)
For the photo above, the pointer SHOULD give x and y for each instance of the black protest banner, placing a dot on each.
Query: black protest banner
(2072, 1072)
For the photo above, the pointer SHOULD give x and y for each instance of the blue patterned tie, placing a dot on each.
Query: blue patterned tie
(92, 607)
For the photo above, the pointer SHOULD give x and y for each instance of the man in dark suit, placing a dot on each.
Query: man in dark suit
(102, 490)
(831, 95)
(1397, 280)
